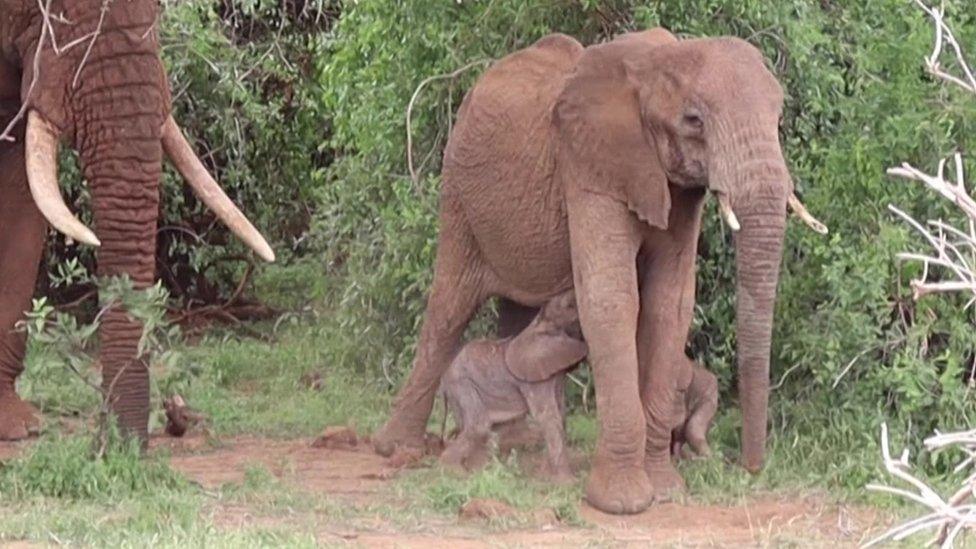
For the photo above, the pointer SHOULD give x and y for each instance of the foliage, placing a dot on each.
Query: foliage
(849, 347)
(62, 467)
(243, 91)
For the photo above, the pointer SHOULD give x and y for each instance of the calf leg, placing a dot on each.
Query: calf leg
(469, 449)
(543, 400)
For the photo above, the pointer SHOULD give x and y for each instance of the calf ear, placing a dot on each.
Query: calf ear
(537, 355)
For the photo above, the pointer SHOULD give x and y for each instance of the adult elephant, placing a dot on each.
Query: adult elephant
(590, 167)
(88, 73)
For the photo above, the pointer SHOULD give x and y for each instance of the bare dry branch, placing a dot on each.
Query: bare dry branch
(413, 100)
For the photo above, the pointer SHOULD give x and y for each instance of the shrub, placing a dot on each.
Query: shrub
(849, 344)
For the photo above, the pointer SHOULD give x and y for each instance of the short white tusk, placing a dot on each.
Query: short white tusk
(801, 211)
(42, 177)
(727, 214)
(186, 162)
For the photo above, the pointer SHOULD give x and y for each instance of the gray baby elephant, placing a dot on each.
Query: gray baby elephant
(498, 381)
(494, 381)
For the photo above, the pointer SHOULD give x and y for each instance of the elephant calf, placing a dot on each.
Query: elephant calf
(498, 381)
(492, 382)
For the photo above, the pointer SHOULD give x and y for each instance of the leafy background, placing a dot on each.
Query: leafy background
(299, 108)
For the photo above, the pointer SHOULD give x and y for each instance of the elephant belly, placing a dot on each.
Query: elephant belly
(499, 164)
(527, 247)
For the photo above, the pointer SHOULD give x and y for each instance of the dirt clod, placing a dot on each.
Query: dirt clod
(406, 458)
(486, 509)
(179, 417)
(545, 517)
(336, 437)
(314, 380)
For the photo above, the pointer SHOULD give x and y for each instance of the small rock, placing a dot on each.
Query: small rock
(485, 509)
(313, 380)
(545, 518)
(179, 417)
(433, 444)
(405, 457)
(336, 438)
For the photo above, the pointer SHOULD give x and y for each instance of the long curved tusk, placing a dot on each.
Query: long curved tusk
(181, 154)
(727, 214)
(801, 211)
(42, 177)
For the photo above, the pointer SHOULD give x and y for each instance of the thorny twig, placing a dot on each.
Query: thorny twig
(413, 100)
(950, 515)
(48, 35)
(955, 253)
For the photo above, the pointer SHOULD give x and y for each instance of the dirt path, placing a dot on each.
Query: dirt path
(362, 482)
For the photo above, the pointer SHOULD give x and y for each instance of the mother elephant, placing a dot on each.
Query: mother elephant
(590, 167)
(88, 73)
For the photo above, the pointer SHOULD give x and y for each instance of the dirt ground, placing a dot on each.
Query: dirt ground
(359, 478)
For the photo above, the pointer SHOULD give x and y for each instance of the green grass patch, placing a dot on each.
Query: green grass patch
(65, 467)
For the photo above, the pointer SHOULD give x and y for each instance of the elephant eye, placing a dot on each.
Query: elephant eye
(692, 118)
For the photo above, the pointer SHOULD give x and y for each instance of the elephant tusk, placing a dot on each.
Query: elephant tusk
(801, 211)
(186, 162)
(42, 177)
(727, 214)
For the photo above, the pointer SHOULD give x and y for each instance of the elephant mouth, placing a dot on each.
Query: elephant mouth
(793, 202)
(42, 175)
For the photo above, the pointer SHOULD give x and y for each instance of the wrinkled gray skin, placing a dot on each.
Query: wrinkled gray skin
(485, 386)
(689, 439)
(495, 382)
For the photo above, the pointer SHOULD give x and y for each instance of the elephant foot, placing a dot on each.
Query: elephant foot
(619, 490)
(18, 419)
(665, 480)
(397, 434)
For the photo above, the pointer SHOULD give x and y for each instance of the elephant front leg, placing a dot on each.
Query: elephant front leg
(667, 294)
(604, 239)
(22, 231)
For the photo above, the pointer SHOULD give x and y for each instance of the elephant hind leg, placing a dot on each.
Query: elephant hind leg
(22, 231)
(459, 289)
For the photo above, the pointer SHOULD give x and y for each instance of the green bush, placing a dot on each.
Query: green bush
(245, 93)
(850, 347)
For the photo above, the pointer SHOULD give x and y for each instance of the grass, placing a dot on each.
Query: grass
(56, 494)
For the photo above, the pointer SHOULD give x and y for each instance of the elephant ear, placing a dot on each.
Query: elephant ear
(538, 353)
(604, 147)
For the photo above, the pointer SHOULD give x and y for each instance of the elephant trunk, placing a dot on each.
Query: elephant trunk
(118, 137)
(753, 186)
(759, 246)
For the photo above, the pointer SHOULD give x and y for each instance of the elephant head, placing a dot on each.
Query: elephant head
(90, 76)
(551, 343)
(646, 114)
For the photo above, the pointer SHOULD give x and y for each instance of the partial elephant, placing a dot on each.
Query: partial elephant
(689, 439)
(588, 168)
(87, 73)
(486, 386)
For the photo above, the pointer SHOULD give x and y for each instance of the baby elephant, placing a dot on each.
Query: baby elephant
(700, 405)
(497, 381)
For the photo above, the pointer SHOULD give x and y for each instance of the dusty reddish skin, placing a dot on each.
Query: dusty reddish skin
(113, 118)
(587, 169)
